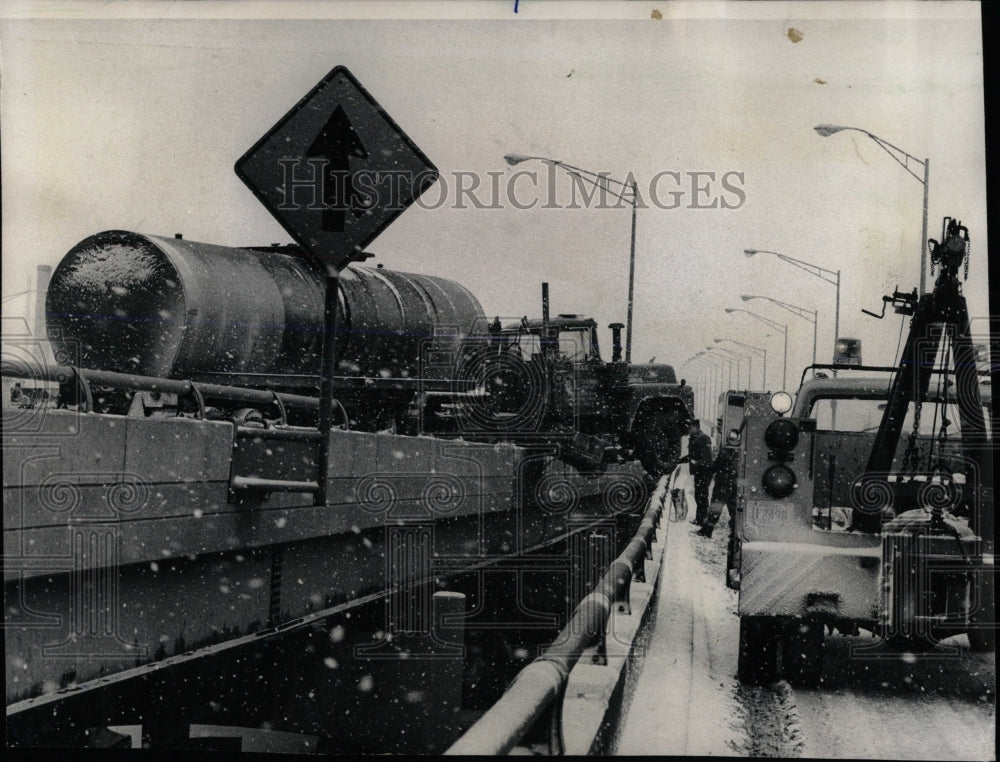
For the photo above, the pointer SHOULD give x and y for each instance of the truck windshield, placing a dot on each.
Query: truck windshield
(528, 344)
(865, 415)
(575, 345)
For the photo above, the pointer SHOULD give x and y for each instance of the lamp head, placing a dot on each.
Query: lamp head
(826, 130)
(515, 158)
(718, 341)
(731, 310)
(746, 298)
(750, 252)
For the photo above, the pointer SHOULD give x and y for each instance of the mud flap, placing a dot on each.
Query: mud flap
(802, 651)
(760, 649)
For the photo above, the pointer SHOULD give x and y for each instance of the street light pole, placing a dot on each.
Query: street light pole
(631, 278)
(699, 380)
(760, 352)
(784, 362)
(923, 238)
(815, 322)
(836, 314)
(729, 369)
(715, 372)
(704, 383)
(629, 192)
(802, 312)
(739, 361)
(739, 366)
(783, 327)
(708, 369)
(825, 130)
(725, 365)
(829, 276)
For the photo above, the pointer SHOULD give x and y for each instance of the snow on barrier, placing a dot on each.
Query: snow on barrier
(560, 690)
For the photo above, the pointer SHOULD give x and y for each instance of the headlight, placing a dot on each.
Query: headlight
(779, 481)
(782, 435)
(733, 438)
(781, 402)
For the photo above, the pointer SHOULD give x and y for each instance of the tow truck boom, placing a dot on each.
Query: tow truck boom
(940, 316)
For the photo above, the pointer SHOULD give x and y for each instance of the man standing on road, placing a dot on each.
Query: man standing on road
(724, 468)
(700, 466)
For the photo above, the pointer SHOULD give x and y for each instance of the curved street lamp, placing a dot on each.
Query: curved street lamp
(783, 327)
(802, 312)
(706, 372)
(739, 365)
(692, 358)
(720, 364)
(902, 158)
(829, 276)
(759, 351)
(627, 192)
(704, 382)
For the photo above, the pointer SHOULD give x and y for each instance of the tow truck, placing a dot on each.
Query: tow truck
(840, 529)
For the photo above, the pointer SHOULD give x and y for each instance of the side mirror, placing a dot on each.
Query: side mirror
(616, 341)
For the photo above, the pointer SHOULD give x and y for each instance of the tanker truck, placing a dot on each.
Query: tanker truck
(415, 353)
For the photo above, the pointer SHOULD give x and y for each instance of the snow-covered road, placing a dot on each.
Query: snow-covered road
(687, 701)
(926, 706)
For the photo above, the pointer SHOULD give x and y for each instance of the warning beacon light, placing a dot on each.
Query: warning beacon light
(847, 351)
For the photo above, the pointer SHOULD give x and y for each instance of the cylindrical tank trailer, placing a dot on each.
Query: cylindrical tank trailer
(173, 308)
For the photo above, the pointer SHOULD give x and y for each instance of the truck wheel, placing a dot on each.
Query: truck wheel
(657, 443)
(802, 654)
(983, 640)
(760, 644)
(516, 396)
(982, 633)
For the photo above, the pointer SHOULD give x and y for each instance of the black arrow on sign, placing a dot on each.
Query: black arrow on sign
(337, 142)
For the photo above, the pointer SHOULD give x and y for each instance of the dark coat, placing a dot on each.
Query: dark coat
(699, 452)
(725, 473)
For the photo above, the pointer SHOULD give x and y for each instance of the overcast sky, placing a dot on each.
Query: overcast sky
(136, 124)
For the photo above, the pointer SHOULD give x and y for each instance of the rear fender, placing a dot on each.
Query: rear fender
(651, 401)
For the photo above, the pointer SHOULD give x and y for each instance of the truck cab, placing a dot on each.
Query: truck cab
(848, 410)
(800, 562)
(637, 410)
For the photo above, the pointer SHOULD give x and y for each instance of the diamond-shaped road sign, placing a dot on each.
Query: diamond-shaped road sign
(336, 170)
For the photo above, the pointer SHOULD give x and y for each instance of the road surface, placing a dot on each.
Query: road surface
(685, 699)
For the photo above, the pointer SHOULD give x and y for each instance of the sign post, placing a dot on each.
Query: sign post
(335, 171)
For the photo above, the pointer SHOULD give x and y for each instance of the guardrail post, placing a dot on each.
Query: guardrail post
(591, 553)
(600, 656)
(538, 691)
(557, 747)
(444, 671)
(639, 568)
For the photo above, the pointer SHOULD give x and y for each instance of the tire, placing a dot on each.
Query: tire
(983, 640)
(802, 652)
(912, 643)
(983, 637)
(658, 443)
(759, 661)
(517, 398)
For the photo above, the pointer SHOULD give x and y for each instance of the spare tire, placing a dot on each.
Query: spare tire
(514, 392)
(657, 442)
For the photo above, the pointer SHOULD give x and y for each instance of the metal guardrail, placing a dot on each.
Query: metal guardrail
(82, 379)
(540, 687)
